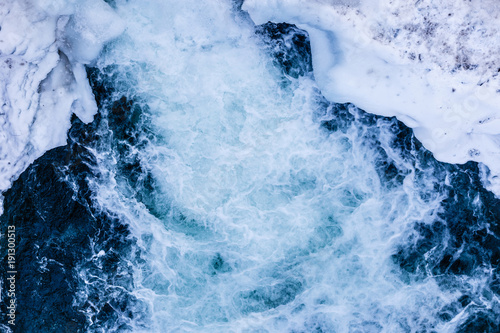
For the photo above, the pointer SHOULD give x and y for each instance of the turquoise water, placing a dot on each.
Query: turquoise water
(252, 204)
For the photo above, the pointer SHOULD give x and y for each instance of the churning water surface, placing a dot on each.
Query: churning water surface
(232, 197)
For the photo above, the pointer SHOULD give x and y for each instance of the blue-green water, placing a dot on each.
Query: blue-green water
(218, 191)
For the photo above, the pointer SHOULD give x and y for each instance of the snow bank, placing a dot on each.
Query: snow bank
(43, 47)
(432, 63)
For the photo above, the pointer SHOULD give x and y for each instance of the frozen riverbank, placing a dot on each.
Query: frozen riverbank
(432, 64)
(43, 48)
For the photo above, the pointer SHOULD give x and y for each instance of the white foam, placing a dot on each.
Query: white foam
(283, 202)
(39, 86)
(432, 64)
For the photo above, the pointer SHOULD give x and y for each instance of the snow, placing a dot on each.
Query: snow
(43, 47)
(432, 64)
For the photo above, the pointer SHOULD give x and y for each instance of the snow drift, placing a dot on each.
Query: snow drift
(432, 64)
(43, 48)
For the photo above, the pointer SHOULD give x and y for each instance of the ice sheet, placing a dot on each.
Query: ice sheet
(43, 46)
(432, 64)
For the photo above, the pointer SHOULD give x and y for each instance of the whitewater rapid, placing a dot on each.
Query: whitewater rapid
(258, 205)
(216, 183)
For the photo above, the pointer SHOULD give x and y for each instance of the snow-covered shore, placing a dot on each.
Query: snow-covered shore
(432, 64)
(43, 47)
